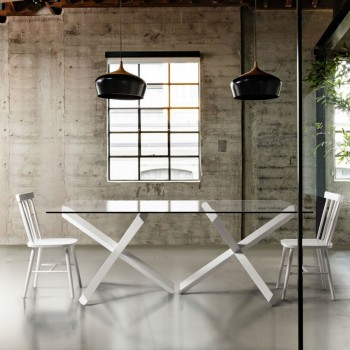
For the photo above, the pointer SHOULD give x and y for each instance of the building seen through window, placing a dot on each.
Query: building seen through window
(342, 134)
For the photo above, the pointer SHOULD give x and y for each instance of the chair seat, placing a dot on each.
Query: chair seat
(52, 242)
(307, 243)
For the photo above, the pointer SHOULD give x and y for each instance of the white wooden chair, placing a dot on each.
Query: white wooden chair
(37, 244)
(321, 244)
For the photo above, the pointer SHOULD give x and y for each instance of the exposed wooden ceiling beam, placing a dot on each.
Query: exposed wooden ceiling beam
(335, 33)
(30, 7)
(288, 3)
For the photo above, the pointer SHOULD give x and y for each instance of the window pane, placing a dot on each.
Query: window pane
(184, 73)
(338, 138)
(184, 144)
(342, 167)
(184, 169)
(341, 119)
(123, 120)
(123, 169)
(154, 120)
(339, 141)
(123, 103)
(123, 144)
(154, 168)
(184, 120)
(154, 144)
(184, 96)
(342, 171)
(154, 72)
(341, 75)
(156, 96)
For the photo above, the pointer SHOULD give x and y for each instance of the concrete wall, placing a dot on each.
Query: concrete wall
(270, 126)
(53, 136)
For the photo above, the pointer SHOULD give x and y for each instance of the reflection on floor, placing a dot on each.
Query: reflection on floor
(128, 312)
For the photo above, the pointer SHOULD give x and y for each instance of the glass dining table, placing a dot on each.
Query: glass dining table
(72, 212)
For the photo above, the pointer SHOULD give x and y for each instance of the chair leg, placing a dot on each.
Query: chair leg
(69, 271)
(283, 257)
(38, 260)
(29, 271)
(329, 274)
(76, 265)
(286, 279)
(320, 261)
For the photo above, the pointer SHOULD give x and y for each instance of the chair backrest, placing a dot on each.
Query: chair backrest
(329, 216)
(30, 221)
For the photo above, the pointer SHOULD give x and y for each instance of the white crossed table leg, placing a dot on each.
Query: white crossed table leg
(117, 250)
(237, 250)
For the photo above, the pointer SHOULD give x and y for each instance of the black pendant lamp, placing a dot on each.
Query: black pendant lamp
(120, 84)
(256, 84)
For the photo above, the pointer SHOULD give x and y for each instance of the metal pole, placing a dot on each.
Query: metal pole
(300, 173)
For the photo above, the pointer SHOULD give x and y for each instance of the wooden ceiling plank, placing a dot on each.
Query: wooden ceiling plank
(31, 7)
(11, 6)
(288, 3)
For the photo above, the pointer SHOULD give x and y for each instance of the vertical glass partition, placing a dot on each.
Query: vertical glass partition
(269, 134)
(326, 296)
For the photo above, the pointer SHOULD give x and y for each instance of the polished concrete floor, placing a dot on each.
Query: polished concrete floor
(128, 312)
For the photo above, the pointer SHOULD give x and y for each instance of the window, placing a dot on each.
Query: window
(157, 138)
(342, 132)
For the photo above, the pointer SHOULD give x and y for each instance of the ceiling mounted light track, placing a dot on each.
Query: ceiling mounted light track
(120, 84)
(256, 84)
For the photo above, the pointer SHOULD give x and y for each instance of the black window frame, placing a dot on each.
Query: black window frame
(171, 57)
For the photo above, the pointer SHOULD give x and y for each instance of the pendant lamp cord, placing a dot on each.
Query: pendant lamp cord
(255, 55)
(120, 29)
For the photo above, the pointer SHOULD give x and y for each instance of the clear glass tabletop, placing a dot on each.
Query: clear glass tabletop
(175, 206)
